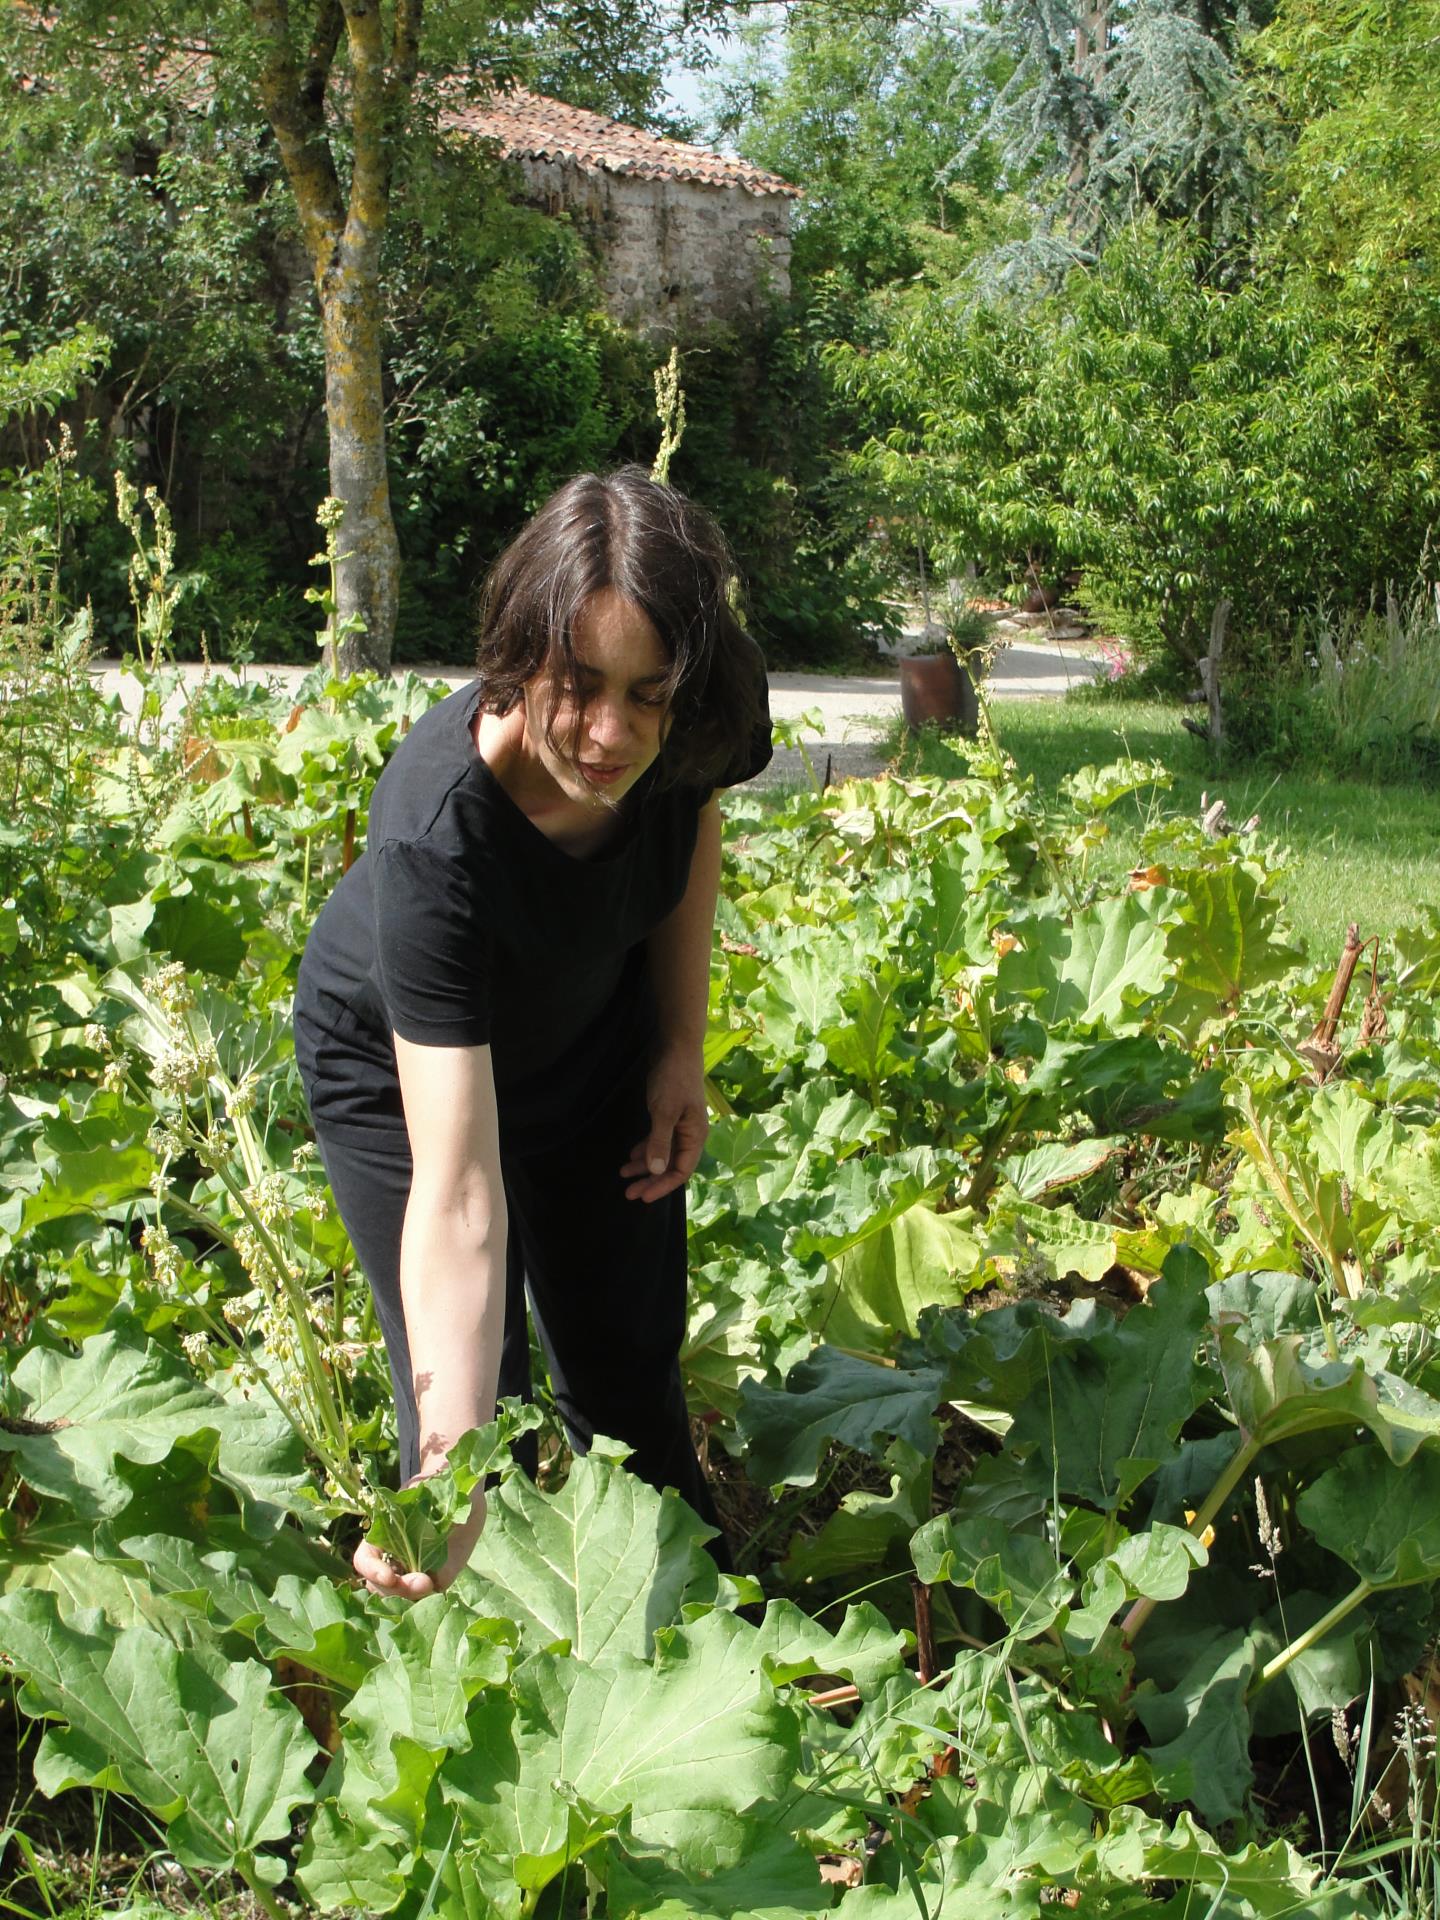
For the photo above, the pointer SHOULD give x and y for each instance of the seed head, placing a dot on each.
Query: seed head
(171, 987)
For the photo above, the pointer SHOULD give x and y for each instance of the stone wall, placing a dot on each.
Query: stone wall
(672, 250)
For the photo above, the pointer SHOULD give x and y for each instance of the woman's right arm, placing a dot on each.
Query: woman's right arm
(452, 1270)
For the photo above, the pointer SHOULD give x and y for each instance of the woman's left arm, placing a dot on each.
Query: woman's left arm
(680, 972)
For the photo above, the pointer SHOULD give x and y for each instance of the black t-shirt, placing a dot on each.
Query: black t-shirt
(464, 925)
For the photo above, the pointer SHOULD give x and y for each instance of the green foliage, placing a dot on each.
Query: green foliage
(1025, 1235)
(761, 450)
(1361, 182)
(50, 376)
(1176, 440)
(166, 229)
(1112, 113)
(1359, 693)
(412, 1527)
(171, 228)
(865, 111)
(219, 1753)
(506, 377)
(124, 1398)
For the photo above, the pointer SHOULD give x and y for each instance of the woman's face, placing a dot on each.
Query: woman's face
(603, 743)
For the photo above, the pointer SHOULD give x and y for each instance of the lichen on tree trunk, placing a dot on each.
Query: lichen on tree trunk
(343, 235)
(368, 570)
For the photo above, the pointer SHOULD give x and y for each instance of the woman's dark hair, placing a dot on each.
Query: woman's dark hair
(665, 554)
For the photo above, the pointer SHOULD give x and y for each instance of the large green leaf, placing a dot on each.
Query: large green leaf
(954, 923)
(1015, 1573)
(834, 1396)
(1156, 1565)
(800, 997)
(205, 938)
(867, 1528)
(1057, 1164)
(1417, 950)
(679, 1752)
(323, 742)
(413, 1526)
(1279, 1388)
(1117, 1397)
(1016, 1822)
(741, 1311)
(864, 1648)
(1131, 1084)
(1352, 1135)
(798, 1184)
(873, 1015)
(1096, 789)
(1337, 1669)
(1201, 1729)
(1109, 966)
(57, 1555)
(204, 1742)
(1380, 1518)
(1224, 945)
(122, 1398)
(254, 1589)
(944, 1880)
(861, 1197)
(776, 1879)
(413, 1707)
(345, 1863)
(1264, 1304)
(1075, 1245)
(1254, 1883)
(880, 1287)
(98, 1164)
(601, 1565)
(1102, 1399)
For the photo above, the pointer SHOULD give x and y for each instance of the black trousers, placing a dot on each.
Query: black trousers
(606, 1276)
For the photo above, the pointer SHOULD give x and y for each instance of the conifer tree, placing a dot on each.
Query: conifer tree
(1118, 107)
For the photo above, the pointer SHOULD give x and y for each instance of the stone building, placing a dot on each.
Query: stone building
(680, 233)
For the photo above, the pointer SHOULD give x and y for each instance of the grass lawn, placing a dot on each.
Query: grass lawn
(1355, 852)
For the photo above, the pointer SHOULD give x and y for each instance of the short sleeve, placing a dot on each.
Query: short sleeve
(433, 948)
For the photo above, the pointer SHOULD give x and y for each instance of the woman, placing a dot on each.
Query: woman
(500, 1013)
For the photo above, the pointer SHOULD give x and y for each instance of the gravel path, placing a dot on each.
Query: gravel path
(854, 712)
(857, 713)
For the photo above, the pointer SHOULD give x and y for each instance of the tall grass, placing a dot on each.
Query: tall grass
(1361, 697)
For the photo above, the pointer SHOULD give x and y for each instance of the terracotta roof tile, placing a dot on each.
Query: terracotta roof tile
(528, 125)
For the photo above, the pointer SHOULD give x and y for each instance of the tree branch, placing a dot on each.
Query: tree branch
(300, 132)
(329, 25)
(405, 52)
(369, 122)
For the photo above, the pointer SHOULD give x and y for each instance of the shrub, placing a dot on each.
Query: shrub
(1361, 695)
(1180, 443)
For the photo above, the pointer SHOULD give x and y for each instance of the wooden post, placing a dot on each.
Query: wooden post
(1210, 669)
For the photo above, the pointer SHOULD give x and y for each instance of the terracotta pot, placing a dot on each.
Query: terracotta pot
(935, 690)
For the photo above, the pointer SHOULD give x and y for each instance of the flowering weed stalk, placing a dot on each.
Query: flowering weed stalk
(186, 1072)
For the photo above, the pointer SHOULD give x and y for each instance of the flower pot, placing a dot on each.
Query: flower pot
(935, 690)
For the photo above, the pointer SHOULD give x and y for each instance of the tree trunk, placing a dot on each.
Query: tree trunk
(1210, 669)
(368, 571)
(342, 237)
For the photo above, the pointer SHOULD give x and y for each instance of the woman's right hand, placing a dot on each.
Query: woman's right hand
(381, 1575)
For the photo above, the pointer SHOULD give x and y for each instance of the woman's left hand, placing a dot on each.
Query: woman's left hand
(679, 1122)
